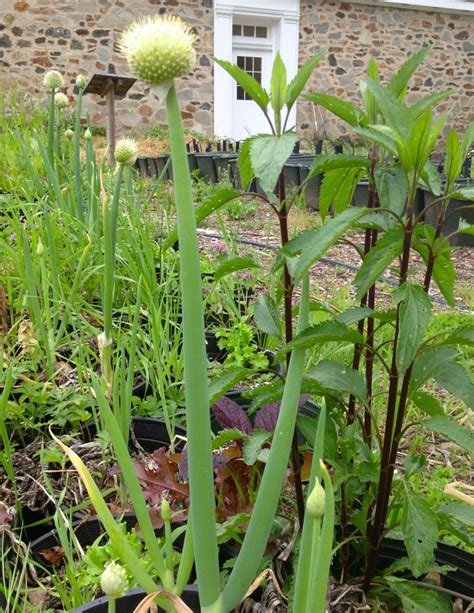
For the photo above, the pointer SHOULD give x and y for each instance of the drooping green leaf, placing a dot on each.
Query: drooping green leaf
(253, 445)
(466, 193)
(217, 200)
(461, 435)
(456, 380)
(429, 363)
(339, 377)
(326, 332)
(240, 262)
(462, 336)
(226, 381)
(431, 178)
(345, 110)
(417, 599)
(324, 163)
(399, 81)
(419, 529)
(379, 138)
(251, 86)
(444, 274)
(427, 403)
(351, 316)
(268, 154)
(428, 102)
(315, 243)
(278, 84)
(460, 511)
(301, 78)
(392, 190)
(337, 189)
(415, 314)
(376, 261)
(267, 317)
(245, 163)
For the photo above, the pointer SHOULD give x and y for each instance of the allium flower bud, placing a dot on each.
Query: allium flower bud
(87, 134)
(61, 100)
(165, 510)
(80, 81)
(114, 580)
(126, 152)
(159, 49)
(69, 133)
(39, 249)
(53, 80)
(316, 501)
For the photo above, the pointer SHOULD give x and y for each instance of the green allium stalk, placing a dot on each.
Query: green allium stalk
(53, 81)
(80, 83)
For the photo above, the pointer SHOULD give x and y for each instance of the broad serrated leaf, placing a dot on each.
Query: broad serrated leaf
(268, 154)
(419, 529)
(315, 243)
(431, 178)
(419, 600)
(325, 163)
(456, 380)
(460, 511)
(462, 336)
(253, 445)
(278, 84)
(428, 102)
(428, 404)
(345, 110)
(454, 157)
(394, 112)
(351, 316)
(209, 206)
(267, 317)
(399, 81)
(392, 190)
(379, 138)
(429, 363)
(377, 260)
(230, 265)
(226, 381)
(337, 189)
(415, 314)
(461, 435)
(463, 193)
(227, 436)
(245, 164)
(247, 83)
(301, 78)
(336, 376)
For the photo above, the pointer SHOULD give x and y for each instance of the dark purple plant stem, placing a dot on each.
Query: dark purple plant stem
(288, 308)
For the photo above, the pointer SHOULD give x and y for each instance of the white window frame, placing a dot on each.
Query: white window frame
(284, 17)
(443, 6)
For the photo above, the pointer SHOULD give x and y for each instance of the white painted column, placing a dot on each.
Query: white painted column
(223, 82)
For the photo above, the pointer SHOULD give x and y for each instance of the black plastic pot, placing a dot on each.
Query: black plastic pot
(361, 197)
(313, 187)
(132, 599)
(455, 213)
(206, 165)
(222, 163)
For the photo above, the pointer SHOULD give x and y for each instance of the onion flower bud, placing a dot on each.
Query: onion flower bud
(53, 80)
(61, 100)
(316, 501)
(114, 580)
(80, 81)
(126, 152)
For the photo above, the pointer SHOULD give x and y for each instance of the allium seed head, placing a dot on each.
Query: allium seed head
(69, 133)
(126, 152)
(61, 100)
(80, 81)
(159, 49)
(114, 580)
(53, 80)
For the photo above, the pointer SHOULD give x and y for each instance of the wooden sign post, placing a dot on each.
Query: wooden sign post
(111, 87)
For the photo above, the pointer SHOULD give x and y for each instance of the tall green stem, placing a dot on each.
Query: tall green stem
(201, 474)
(255, 542)
(51, 109)
(77, 158)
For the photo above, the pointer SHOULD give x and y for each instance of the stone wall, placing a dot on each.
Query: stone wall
(353, 33)
(81, 36)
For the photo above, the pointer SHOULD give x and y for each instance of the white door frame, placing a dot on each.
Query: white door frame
(284, 14)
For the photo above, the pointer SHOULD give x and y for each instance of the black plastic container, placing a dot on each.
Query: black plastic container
(313, 187)
(455, 212)
(222, 163)
(207, 166)
(361, 197)
(132, 599)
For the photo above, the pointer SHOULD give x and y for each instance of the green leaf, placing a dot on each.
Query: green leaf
(392, 190)
(397, 84)
(324, 163)
(378, 259)
(419, 529)
(465, 227)
(217, 200)
(245, 163)
(427, 403)
(379, 138)
(268, 155)
(460, 511)
(415, 314)
(454, 157)
(467, 140)
(253, 445)
(444, 274)
(222, 384)
(278, 84)
(267, 317)
(337, 189)
(300, 79)
(418, 600)
(326, 332)
(394, 112)
(462, 336)
(466, 193)
(247, 83)
(336, 376)
(345, 110)
(456, 380)
(431, 178)
(351, 316)
(428, 102)
(314, 243)
(240, 262)
(460, 435)
(227, 436)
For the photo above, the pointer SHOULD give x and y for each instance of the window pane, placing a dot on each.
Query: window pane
(261, 32)
(257, 64)
(249, 31)
(249, 64)
(258, 76)
(240, 93)
(236, 30)
(241, 62)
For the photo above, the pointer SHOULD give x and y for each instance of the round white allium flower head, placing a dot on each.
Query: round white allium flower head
(80, 81)
(126, 152)
(69, 133)
(53, 80)
(114, 580)
(316, 501)
(87, 134)
(159, 49)
(61, 100)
